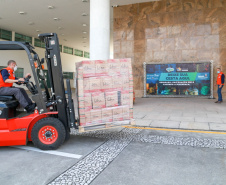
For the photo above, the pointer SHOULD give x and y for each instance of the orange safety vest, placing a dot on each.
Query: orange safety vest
(11, 76)
(219, 78)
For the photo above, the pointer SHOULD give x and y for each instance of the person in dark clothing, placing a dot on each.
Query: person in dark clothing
(7, 78)
(220, 84)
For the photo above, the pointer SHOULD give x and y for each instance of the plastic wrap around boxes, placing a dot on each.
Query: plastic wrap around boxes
(105, 92)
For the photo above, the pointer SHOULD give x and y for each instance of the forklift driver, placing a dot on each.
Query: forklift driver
(7, 78)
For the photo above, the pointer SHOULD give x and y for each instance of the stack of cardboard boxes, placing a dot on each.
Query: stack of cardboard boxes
(105, 91)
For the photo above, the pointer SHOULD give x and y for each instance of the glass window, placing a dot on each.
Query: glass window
(39, 43)
(6, 35)
(1, 67)
(68, 75)
(19, 72)
(60, 46)
(68, 50)
(22, 38)
(86, 54)
(78, 53)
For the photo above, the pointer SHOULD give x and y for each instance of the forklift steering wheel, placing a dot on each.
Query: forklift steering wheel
(31, 87)
(26, 80)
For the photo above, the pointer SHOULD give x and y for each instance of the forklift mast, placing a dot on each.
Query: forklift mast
(56, 99)
(65, 109)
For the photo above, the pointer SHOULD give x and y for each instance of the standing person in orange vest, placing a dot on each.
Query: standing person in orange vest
(220, 84)
(7, 78)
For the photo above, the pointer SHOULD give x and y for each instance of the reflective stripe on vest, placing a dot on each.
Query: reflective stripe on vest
(11, 76)
(219, 78)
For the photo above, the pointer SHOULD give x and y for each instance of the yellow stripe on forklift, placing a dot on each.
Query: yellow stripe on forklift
(176, 130)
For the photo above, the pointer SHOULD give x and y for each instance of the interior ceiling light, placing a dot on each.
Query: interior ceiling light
(56, 19)
(114, 6)
(84, 14)
(22, 13)
(60, 28)
(37, 30)
(31, 23)
(62, 34)
(84, 32)
(84, 38)
(84, 24)
(51, 7)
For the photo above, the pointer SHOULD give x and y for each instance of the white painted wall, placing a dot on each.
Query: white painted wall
(68, 61)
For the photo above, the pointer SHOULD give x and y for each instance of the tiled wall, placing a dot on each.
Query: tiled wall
(170, 31)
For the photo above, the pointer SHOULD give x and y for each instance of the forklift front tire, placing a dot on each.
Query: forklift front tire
(48, 133)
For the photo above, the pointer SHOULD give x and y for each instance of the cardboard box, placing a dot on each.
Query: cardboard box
(111, 98)
(88, 68)
(81, 110)
(96, 116)
(80, 87)
(95, 84)
(80, 71)
(113, 67)
(124, 66)
(117, 82)
(107, 115)
(86, 85)
(82, 120)
(117, 114)
(106, 83)
(131, 113)
(87, 118)
(101, 67)
(88, 101)
(125, 97)
(125, 112)
(81, 103)
(125, 82)
(131, 99)
(98, 100)
(119, 98)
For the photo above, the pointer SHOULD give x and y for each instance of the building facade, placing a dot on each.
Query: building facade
(170, 31)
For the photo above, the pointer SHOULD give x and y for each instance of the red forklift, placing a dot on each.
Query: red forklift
(49, 125)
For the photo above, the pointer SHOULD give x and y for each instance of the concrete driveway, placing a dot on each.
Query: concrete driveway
(175, 141)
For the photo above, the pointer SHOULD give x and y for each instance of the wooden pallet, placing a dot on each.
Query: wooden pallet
(103, 126)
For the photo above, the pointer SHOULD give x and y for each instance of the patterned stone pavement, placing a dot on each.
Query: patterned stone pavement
(92, 165)
(88, 168)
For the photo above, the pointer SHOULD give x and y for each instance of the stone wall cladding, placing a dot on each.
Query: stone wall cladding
(170, 31)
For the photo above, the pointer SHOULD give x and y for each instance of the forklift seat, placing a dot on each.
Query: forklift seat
(6, 97)
(7, 101)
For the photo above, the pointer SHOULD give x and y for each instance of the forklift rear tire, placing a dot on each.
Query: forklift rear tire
(48, 133)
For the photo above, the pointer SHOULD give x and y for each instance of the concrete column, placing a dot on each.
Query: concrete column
(13, 35)
(33, 41)
(99, 29)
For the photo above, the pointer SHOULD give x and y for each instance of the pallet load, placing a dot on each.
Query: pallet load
(105, 93)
